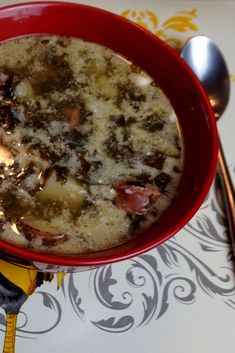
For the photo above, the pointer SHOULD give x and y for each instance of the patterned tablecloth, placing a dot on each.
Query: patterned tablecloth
(177, 298)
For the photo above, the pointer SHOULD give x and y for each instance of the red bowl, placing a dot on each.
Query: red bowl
(174, 77)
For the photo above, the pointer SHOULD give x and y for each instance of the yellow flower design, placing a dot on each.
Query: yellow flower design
(175, 30)
(232, 78)
(181, 22)
(146, 19)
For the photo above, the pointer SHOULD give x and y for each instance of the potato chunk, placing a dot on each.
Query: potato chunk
(70, 191)
(24, 90)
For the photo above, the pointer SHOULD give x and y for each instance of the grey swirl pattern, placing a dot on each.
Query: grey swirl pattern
(27, 322)
(139, 290)
(75, 298)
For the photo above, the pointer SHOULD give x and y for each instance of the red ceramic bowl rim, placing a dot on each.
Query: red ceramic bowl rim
(45, 258)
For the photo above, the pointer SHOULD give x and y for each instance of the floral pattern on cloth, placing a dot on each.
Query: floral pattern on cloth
(170, 30)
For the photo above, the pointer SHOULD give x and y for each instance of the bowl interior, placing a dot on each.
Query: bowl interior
(174, 77)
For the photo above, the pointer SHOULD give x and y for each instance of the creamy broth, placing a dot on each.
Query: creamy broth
(90, 147)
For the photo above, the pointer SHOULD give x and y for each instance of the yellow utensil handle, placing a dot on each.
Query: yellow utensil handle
(9, 343)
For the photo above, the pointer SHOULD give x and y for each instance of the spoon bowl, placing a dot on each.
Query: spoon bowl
(207, 62)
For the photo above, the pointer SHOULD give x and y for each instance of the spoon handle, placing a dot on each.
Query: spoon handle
(228, 189)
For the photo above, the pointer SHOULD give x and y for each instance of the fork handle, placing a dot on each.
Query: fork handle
(228, 190)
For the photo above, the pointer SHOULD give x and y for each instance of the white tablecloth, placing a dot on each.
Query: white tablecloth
(177, 298)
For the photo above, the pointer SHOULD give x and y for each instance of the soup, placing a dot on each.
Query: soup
(90, 148)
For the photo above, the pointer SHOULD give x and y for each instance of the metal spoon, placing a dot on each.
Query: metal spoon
(207, 62)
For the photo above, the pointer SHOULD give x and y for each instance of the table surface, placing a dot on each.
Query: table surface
(177, 298)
